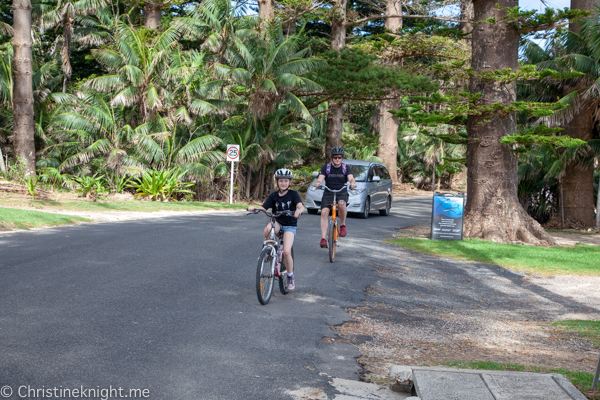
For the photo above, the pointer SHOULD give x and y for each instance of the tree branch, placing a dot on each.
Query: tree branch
(543, 27)
(295, 17)
(373, 18)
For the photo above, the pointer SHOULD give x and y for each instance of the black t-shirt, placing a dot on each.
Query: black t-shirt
(336, 178)
(278, 203)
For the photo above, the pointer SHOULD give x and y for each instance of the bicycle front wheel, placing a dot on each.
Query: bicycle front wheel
(265, 276)
(332, 239)
(283, 279)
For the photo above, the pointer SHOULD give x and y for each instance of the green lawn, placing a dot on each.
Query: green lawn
(11, 218)
(587, 329)
(573, 232)
(132, 205)
(582, 380)
(581, 259)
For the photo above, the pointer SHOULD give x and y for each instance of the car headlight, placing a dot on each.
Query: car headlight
(312, 188)
(355, 192)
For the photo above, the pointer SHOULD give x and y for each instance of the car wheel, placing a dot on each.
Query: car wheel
(367, 210)
(312, 211)
(386, 211)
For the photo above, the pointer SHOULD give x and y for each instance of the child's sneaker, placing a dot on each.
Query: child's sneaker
(323, 243)
(343, 231)
(291, 283)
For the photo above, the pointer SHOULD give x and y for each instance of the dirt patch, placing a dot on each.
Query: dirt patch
(426, 310)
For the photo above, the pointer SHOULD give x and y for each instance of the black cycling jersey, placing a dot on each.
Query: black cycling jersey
(278, 203)
(336, 178)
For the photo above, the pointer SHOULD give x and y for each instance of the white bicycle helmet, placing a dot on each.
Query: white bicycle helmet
(284, 173)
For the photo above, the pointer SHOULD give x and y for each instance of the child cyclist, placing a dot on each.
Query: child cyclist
(281, 200)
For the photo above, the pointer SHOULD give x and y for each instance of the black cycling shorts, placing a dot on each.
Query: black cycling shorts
(328, 199)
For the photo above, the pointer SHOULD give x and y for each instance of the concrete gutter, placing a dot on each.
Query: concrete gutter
(433, 383)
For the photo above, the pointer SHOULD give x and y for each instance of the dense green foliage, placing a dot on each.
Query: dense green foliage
(115, 101)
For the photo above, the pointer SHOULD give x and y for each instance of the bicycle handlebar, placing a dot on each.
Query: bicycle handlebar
(274, 215)
(346, 186)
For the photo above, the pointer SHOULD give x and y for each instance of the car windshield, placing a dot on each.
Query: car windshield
(360, 172)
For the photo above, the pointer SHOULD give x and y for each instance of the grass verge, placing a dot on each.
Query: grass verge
(586, 329)
(25, 219)
(132, 205)
(581, 380)
(573, 232)
(581, 259)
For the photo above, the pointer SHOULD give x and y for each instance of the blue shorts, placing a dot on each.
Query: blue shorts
(286, 228)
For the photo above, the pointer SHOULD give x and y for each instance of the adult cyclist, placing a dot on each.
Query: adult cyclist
(335, 174)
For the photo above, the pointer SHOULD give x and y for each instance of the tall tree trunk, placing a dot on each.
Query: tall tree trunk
(388, 123)
(493, 211)
(578, 183)
(561, 201)
(23, 124)
(68, 17)
(335, 117)
(578, 188)
(152, 14)
(261, 182)
(586, 5)
(433, 176)
(598, 207)
(2, 165)
(466, 15)
(248, 180)
(266, 10)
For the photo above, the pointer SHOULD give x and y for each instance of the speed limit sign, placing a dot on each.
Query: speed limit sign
(233, 152)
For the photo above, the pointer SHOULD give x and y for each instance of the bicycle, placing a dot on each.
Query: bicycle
(333, 232)
(271, 263)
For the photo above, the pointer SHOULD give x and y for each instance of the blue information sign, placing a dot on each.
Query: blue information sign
(447, 216)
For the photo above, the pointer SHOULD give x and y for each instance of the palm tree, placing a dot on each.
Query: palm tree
(137, 64)
(23, 125)
(91, 127)
(577, 56)
(65, 14)
(81, 133)
(221, 27)
(274, 69)
(237, 130)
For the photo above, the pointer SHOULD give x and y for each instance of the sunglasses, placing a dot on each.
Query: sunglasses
(337, 157)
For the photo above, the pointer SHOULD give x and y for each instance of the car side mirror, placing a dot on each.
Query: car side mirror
(376, 178)
(315, 174)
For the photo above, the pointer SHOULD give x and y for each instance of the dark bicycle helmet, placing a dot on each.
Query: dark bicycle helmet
(284, 173)
(337, 151)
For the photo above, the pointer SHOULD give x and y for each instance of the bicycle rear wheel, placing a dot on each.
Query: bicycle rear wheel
(331, 239)
(283, 279)
(265, 276)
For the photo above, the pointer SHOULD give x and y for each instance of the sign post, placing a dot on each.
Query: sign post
(233, 155)
(595, 381)
(447, 216)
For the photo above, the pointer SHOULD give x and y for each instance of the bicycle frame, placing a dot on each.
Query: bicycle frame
(270, 261)
(334, 206)
(335, 231)
(275, 245)
(275, 242)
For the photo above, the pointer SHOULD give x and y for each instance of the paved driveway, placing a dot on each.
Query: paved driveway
(168, 306)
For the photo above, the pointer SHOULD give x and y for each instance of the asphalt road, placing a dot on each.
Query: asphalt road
(168, 306)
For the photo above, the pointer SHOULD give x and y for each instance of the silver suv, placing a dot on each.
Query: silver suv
(373, 190)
